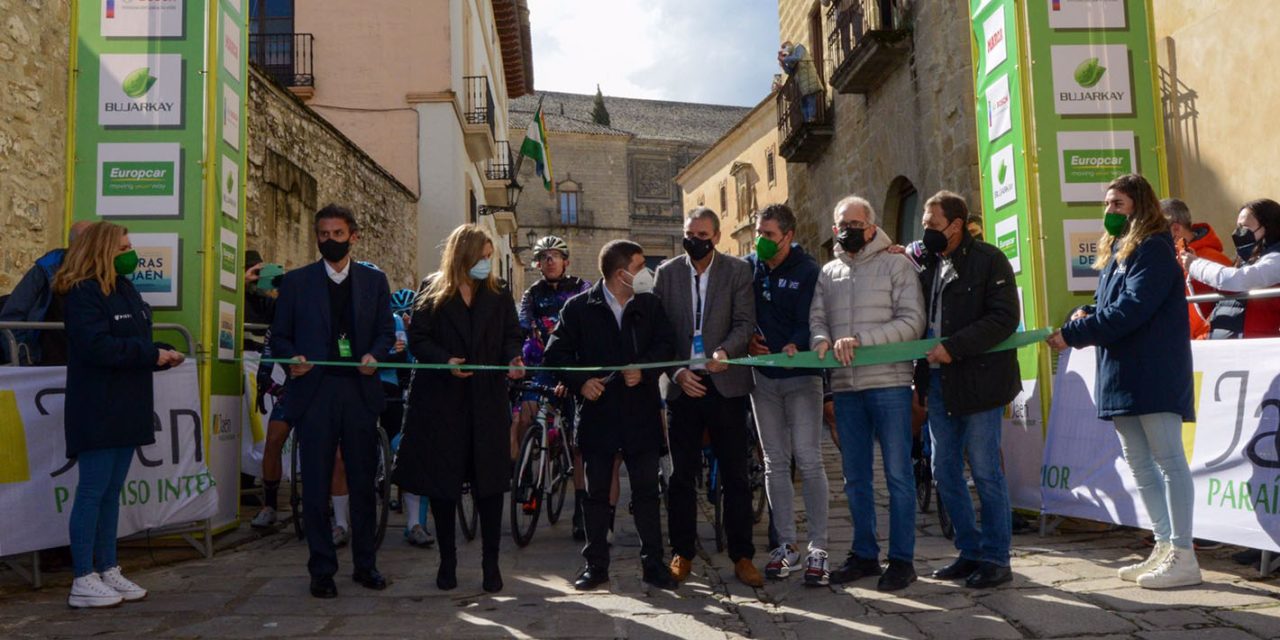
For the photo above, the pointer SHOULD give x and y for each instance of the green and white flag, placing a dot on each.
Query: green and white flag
(535, 147)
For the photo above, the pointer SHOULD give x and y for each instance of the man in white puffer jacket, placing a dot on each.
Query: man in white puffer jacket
(868, 296)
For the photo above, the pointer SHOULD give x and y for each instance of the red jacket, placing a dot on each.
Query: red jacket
(1206, 245)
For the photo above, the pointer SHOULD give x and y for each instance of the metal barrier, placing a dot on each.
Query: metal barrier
(1256, 294)
(186, 531)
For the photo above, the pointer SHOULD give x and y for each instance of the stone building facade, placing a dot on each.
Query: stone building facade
(910, 135)
(299, 162)
(612, 181)
(34, 51)
(738, 176)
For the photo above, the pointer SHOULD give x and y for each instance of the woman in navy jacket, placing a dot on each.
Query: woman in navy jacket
(109, 400)
(1144, 384)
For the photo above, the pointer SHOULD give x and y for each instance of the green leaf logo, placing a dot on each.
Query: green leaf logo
(138, 83)
(1090, 73)
(231, 182)
(1002, 173)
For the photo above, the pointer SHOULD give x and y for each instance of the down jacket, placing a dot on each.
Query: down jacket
(875, 297)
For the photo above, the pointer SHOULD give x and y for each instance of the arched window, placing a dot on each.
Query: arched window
(902, 211)
(570, 205)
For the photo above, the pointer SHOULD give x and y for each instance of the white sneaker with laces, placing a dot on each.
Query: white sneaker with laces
(1179, 569)
(340, 536)
(782, 561)
(124, 586)
(1130, 573)
(817, 572)
(91, 592)
(265, 519)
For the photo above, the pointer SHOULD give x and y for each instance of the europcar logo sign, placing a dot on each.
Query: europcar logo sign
(139, 179)
(140, 90)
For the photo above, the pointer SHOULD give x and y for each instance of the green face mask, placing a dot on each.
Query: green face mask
(126, 263)
(766, 249)
(1114, 223)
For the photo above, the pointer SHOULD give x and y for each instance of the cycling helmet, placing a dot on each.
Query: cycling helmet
(550, 243)
(402, 300)
(368, 264)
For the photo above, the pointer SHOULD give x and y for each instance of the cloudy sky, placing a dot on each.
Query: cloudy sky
(714, 51)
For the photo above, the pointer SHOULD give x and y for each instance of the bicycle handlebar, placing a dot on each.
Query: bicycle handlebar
(533, 387)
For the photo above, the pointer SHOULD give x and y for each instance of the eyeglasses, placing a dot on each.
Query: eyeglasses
(856, 226)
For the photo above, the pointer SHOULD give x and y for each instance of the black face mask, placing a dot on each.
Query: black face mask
(935, 241)
(697, 248)
(1245, 242)
(852, 240)
(334, 251)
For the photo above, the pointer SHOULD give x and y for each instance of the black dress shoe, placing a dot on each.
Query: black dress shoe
(959, 569)
(659, 575)
(989, 575)
(323, 587)
(492, 582)
(370, 579)
(855, 568)
(447, 575)
(897, 576)
(590, 578)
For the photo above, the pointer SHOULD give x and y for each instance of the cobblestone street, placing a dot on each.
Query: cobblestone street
(1064, 587)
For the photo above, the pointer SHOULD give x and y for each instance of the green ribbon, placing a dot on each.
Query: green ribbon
(862, 357)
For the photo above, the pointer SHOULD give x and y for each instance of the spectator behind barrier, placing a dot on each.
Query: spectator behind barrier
(33, 301)
(1257, 240)
(1200, 238)
(259, 304)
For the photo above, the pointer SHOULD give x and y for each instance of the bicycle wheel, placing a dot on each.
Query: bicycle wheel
(526, 495)
(382, 487)
(295, 487)
(755, 478)
(944, 521)
(468, 518)
(924, 483)
(561, 474)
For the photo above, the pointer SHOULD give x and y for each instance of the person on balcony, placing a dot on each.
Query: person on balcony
(798, 64)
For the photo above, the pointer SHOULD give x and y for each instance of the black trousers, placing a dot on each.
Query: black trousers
(338, 417)
(725, 419)
(445, 513)
(642, 469)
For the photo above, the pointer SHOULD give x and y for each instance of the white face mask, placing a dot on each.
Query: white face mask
(643, 281)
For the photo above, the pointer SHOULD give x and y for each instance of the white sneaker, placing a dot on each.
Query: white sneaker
(265, 519)
(90, 592)
(340, 536)
(817, 571)
(124, 586)
(418, 536)
(1179, 569)
(1131, 572)
(782, 561)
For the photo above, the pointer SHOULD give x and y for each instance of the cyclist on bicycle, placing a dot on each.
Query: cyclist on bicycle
(395, 383)
(539, 313)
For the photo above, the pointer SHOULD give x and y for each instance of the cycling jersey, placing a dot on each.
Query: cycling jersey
(540, 312)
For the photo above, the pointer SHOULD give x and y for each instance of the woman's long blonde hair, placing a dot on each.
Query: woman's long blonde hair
(1144, 222)
(91, 256)
(464, 247)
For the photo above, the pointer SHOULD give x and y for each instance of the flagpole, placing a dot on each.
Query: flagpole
(520, 156)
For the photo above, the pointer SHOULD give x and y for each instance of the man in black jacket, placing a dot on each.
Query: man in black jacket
(618, 322)
(972, 304)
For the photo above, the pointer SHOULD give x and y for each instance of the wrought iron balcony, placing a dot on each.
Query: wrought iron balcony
(871, 37)
(286, 57)
(500, 166)
(479, 104)
(804, 123)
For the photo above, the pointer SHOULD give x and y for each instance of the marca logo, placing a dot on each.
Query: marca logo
(140, 90)
(137, 179)
(995, 40)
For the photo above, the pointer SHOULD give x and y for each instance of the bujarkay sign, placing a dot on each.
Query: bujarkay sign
(158, 146)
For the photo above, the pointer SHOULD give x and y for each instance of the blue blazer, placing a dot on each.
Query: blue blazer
(301, 327)
(1140, 328)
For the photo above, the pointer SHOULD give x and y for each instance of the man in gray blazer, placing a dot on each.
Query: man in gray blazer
(709, 299)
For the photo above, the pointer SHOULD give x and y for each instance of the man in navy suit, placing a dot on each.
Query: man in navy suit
(335, 310)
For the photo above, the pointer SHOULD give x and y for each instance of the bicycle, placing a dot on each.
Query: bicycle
(544, 467)
(926, 486)
(381, 486)
(468, 517)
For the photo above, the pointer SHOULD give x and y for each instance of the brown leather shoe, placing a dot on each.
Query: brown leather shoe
(680, 567)
(748, 573)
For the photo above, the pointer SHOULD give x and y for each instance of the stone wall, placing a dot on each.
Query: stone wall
(34, 52)
(299, 162)
(916, 128)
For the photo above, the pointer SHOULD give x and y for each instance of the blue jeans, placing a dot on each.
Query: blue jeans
(95, 514)
(1152, 445)
(862, 417)
(809, 107)
(976, 437)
